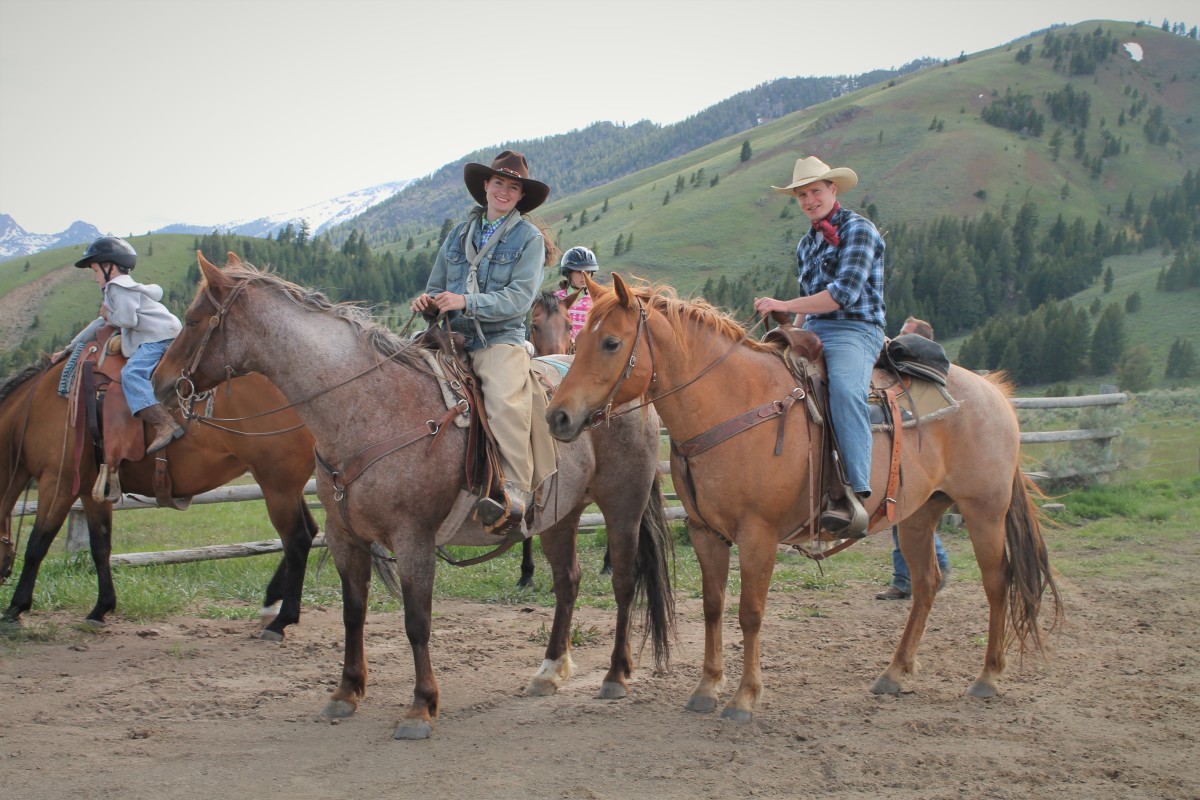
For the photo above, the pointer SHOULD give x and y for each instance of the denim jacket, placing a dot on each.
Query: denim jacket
(509, 278)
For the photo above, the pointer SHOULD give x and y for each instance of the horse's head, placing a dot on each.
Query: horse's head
(550, 325)
(613, 363)
(203, 353)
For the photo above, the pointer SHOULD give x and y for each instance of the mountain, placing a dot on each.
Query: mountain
(605, 151)
(319, 216)
(15, 241)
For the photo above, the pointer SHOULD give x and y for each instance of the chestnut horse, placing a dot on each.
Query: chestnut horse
(700, 371)
(392, 472)
(36, 434)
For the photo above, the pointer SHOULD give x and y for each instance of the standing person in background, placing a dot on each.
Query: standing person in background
(577, 264)
(839, 264)
(485, 277)
(901, 588)
(147, 329)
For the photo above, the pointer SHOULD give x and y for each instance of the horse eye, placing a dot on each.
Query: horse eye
(612, 344)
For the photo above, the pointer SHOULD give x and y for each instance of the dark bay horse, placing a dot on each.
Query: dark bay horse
(39, 443)
(699, 369)
(369, 397)
(550, 334)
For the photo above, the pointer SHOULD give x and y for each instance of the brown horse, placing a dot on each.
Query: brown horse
(550, 334)
(700, 371)
(40, 441)
(392, 477)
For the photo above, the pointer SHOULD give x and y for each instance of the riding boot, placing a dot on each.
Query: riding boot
(162, 429)
(501, 516)
(846, 518)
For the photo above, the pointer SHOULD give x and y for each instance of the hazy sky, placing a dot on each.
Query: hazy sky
(134, 114)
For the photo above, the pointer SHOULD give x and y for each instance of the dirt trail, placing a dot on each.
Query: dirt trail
(198, 708)
(20, 306)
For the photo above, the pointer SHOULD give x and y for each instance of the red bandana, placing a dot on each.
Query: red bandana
(825, 227)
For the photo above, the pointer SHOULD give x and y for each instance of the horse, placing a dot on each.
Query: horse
(550, 334)
(700, 370)
(39, 439)
(373, 401)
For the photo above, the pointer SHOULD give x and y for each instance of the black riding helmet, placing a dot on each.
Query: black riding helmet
(578, 259)
(109, 249)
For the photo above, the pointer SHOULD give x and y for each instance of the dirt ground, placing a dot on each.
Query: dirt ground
(198, 708)
(19, 307)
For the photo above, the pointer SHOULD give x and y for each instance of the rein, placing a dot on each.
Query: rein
(185, 387)
(605, 412)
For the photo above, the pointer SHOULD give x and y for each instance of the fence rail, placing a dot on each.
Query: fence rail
(77, 536)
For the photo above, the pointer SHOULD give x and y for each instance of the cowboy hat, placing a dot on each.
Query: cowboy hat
(509, 164)
(812, 169)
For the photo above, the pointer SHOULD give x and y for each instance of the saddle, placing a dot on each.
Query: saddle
(803, 354)
(97, 405)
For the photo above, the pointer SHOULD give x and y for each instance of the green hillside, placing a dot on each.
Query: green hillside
(922, 149)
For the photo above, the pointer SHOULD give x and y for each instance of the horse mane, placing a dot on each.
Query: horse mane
(16, 379)
(373, 335)
(548, 300)
(679, 313)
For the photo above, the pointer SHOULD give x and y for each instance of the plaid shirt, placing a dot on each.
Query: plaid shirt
(486, 229)
(852, 271)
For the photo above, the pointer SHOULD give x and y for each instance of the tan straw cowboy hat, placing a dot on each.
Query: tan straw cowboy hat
(812, 169)
(509, 164)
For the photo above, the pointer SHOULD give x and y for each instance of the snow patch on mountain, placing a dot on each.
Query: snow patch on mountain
(16, 242)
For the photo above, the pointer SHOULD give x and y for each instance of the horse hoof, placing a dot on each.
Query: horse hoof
(610, 690)
(885, 685)
(540, 687)
(338, 709)
(413, 729)
(92, 625)
(10, 627)
(701, 704)
(738, 715)
(268, 635)
(982, 690)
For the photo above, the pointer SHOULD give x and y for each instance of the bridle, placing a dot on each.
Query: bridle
(605, 412)
(185, 387)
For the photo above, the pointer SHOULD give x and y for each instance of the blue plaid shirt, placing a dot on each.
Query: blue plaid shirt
(486, 229)
(852, 271)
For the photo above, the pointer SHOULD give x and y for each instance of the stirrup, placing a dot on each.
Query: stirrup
(107, 488)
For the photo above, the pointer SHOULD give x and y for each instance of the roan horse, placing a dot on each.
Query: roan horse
(699, 369)
(362, 389)
(39, 441)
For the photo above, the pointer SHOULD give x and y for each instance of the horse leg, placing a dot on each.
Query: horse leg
(52, 510)
(296, 525)
(99, 522)
(559, 547)
(416, 568)
(622, 523)
(984, 519)
(916, 545)
(713, 555)
(526, 579)
(757, 547)
(353, 562)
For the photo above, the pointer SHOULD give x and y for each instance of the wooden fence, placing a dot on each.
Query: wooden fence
(77, 536)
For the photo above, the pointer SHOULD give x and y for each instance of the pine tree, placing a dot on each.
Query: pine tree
(746, 152)
(1181, 361)
(1108, 339)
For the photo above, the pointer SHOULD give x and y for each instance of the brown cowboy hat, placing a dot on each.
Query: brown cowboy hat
(509, 164)
(812, 169)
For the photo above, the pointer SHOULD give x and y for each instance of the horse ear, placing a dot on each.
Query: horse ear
(232, 260)
(210, 272)
(572, 297)
(624, 295)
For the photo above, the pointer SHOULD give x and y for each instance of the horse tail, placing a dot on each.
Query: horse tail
(384, 567)
(652, 576)
(1029, 573)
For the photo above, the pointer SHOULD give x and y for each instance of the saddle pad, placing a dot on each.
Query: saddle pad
(924, 399)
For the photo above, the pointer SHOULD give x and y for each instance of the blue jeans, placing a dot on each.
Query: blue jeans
(135, 375)
(900, 577)
(851, 348)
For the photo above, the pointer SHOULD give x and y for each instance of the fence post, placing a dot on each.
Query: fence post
(77, 532)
